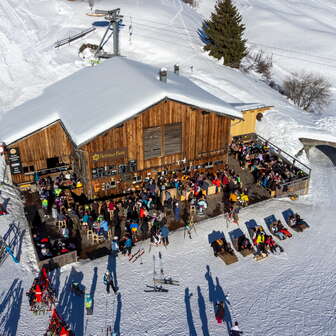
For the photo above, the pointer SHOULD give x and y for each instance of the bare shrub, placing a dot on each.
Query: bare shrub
(307, 90)
(263, 64)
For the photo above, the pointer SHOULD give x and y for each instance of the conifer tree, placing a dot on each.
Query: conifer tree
(224, 34)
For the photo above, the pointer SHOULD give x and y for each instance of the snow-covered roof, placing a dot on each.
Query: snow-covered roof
(95, 99)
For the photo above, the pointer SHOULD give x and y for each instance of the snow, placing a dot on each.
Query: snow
(289, 294)
(292, 294)
(93, 100)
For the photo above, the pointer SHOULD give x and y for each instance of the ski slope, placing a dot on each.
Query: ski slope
(300, 36)
(292, 294)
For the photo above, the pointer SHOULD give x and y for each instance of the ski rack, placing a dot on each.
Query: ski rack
(73, 37)
(5, 250)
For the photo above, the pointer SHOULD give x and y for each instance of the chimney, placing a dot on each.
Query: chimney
(177, 69)
(163, 75)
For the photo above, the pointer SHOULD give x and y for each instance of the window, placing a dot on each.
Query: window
(28, 169)
(208, 164)
(137, 179)
(172, 139)
(152, 142)
(53, 162)
(165, 140)
(123, 169)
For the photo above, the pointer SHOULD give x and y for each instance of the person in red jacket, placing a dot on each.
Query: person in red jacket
(38, 294)
(225, 182)
(64, 332)
(282, 229)
(220, 312)
(217, 183)
(2, 210)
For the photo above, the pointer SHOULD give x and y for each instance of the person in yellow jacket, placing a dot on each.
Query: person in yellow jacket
(233, 197)
(244, 199)
(260, 238)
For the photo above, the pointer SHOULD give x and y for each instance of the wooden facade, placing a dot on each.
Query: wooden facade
(167, 136)
(204, 137)
(248, 125)
(40, 150)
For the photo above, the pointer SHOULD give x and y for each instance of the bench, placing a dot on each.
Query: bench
(302, 225)
(235, 235)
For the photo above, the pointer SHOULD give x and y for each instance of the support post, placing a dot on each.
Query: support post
(116, 38)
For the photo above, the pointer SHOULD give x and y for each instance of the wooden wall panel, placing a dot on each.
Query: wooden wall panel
(201, 133)
(49, 142)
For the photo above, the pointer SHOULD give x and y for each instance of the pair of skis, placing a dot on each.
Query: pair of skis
(135, 256)
(155, 288)
(158, 282)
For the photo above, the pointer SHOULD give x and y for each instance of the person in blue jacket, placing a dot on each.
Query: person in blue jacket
(108, 282)
(164, 235)
(104, 228)
(128, 245)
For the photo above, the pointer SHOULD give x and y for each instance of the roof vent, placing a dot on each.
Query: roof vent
(163, 75)
(177, 69)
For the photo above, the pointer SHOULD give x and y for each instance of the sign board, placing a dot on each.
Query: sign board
(15, 161)
(109, 155)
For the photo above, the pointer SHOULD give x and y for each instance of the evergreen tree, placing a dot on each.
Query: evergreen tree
(224, 34)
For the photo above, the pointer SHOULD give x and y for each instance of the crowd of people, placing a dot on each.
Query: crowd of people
(143, 213)
(57, 202)
(268, 170)
(146, 211)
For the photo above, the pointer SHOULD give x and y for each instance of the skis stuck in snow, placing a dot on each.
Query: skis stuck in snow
(163, 280)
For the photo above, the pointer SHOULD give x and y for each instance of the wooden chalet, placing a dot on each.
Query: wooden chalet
(251, 114)
(116, 124)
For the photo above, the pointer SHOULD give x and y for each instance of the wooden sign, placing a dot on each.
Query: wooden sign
(15, 161)
(109, 155)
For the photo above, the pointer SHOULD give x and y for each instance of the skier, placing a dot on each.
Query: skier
(164, 235)
(220, 312)
(108, 282)
(187, 227)
(88, 304)
(235, 331)
(115, 246)
(128, 245)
